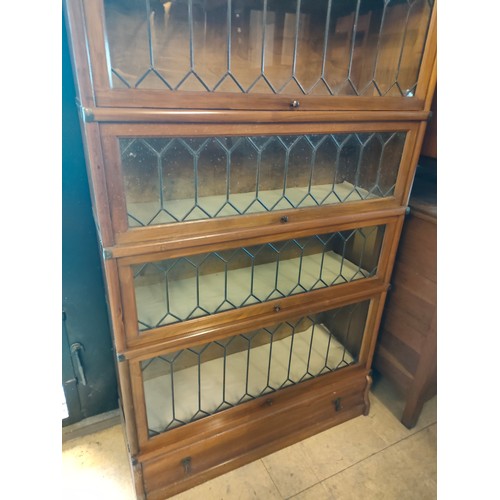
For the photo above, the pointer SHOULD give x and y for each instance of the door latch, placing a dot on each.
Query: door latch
(75, 350)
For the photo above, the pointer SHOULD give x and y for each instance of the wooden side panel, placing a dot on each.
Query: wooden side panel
(407, 356)
(406, 351)
(412, 311)
(398, 322)
(81, 69)
(418, 248)
(387, 364)
(424, 384)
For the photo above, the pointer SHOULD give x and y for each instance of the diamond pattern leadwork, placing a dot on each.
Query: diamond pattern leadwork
(228, 372)
(189, 287)
(306, 47)
(169, 180)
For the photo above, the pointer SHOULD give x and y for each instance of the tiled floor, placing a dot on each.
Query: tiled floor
(366, 458)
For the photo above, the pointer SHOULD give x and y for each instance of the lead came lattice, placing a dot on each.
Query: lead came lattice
(200, 285)
(306, 47)
(168, 180)
(193, 383)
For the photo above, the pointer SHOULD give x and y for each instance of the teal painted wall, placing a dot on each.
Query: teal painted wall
(83, 294)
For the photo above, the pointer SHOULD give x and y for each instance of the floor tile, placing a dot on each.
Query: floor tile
(340, 447)
(383, 423)
(291, 470)
(385, 391)
(368, 457)
(317, 492)
(406, 470)
(96, 466)
(428, 415)
(246, 483)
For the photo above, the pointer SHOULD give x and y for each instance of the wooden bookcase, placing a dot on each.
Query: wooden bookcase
(250, 163)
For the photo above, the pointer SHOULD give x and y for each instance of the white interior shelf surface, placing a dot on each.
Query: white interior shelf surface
(221, 291)
(247, 203)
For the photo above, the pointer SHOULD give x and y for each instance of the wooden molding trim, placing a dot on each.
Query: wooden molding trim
(148, 115)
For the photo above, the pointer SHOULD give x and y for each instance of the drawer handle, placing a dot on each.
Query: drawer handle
(186, 462)
(277, 308)
(338, 404)
(284, 219)
(294, 104)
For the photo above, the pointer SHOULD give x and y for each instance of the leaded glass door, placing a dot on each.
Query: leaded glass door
(297, 52)
(181, 181)
(198, 381)
(169, 293)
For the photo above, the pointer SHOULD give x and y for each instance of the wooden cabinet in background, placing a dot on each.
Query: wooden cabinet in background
(406, 348)
(429, 146)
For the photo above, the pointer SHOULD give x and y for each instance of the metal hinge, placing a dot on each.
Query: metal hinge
(107, 254)
(87, 115)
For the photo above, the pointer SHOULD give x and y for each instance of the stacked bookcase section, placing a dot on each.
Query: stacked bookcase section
(250, 163)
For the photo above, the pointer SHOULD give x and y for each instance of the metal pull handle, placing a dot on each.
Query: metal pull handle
(277, 308)
(294, 104)
(75, 350)
(186, 462)
(284, 219)
(338, 404)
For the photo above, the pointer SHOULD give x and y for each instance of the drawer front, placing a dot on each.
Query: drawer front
(277, 55)
(277, 422)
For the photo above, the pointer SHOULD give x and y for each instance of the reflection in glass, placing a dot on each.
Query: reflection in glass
(193, 383)
(170, 180)
(188, 287)
(307, 47)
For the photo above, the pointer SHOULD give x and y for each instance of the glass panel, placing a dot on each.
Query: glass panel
(311, 47)
(188, 287)
(193, 383)
(173, 180)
